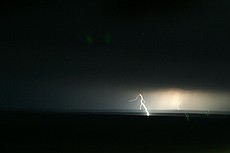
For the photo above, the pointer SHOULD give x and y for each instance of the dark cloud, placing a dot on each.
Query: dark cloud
(180, 44)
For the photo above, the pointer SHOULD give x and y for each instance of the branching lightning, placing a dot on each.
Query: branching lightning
(142, 103)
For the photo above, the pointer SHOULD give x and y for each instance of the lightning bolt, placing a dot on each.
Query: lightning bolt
(178, 107)
(142, 103)
(179, 102)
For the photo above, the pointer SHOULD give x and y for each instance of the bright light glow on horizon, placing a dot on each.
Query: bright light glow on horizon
(194, 100)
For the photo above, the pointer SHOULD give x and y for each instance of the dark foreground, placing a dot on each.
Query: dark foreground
(73, 133)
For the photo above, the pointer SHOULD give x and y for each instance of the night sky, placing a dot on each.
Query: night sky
(60, 55)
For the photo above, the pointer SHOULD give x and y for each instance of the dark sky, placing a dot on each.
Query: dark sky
(51, 47)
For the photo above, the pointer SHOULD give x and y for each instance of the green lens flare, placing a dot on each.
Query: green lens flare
(89, 39)
(107, 38)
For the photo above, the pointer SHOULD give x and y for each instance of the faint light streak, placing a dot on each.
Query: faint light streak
(207, 113)
(180, 101)
(178, 107)
(142, 101)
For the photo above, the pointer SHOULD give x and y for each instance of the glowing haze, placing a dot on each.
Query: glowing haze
(109, 97)
(175, 99)
(104, 98)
